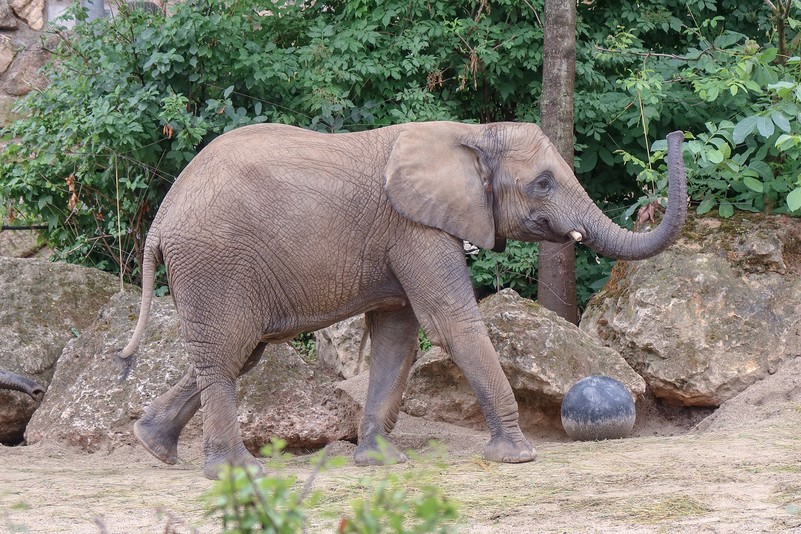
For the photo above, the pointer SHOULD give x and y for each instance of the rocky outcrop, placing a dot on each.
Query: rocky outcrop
(86, 406)
(21, 52)
(7, 19)
(30, 11)
(777, 397)
(541, 354)
(23, 76)
(716, 312)
(45, 305)
(340, 346)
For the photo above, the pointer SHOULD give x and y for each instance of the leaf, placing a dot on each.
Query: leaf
(715, 156)
(744, 128)
(780, 120)
(785, 141)
(769, 55)
(706, 205)
(725, 209)
(754, 184)
(762, 168)
(765, 126)
(228, 91)
(794, 199)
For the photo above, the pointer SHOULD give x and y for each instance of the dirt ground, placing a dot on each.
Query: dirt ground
(738, 471)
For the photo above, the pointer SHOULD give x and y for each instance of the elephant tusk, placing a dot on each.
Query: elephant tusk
(577, 237)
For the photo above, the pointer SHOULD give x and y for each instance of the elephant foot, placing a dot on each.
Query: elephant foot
(509, 449)
(161, 443)
(377, 450)
(217, 457)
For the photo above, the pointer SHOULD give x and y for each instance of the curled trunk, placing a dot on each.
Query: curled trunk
(9, 380)
(609, 239)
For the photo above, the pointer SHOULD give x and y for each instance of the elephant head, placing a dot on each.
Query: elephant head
(483, 183)
(9, 380)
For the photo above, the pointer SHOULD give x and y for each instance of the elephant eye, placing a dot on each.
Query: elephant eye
(541, 185)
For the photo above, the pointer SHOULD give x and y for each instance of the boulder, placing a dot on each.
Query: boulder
(7, 48)
(86, 406)
(45, 305)
(7, 19)
(541, 354)
(775, 398)
(31, 11)
(21, 244)
(340, 346)
(23, 75)
(714, 313)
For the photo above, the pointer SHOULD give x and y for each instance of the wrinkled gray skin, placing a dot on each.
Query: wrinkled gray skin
(273, 230)
(9, 380)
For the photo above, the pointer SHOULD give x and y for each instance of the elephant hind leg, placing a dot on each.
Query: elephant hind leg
(393, 338)
(159, 429)
(218, 362)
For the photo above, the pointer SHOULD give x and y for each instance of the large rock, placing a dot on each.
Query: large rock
(45, 305)
(711, 315)
(7, 48)
(7, 19)
(31, 11)
(775, 398)
(23, 76)
(342, 346)
(541, 354)
(87, 407)
(20, 244)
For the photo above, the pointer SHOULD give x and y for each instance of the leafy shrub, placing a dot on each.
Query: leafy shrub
(275, 504)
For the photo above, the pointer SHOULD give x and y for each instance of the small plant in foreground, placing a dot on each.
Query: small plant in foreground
(280, 504)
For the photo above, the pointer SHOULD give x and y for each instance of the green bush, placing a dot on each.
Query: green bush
(277, 504)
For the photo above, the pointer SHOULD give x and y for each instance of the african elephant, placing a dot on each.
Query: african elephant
(274, 230)
(9, 380)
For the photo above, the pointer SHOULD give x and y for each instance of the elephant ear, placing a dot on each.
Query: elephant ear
(434, 177)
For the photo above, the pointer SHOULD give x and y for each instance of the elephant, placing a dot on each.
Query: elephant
(9, 380)
(273, 230)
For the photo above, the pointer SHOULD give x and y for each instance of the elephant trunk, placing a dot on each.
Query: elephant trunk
(9, 380)
(609, 239)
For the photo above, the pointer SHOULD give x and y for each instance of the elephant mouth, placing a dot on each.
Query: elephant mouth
(543, 227)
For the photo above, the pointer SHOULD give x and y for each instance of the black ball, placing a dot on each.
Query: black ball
(598, 407)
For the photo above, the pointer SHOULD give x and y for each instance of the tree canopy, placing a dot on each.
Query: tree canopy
(133, 98)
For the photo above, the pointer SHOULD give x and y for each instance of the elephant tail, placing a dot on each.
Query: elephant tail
(152, 257)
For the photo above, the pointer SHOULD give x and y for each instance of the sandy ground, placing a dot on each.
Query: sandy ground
(741, 474)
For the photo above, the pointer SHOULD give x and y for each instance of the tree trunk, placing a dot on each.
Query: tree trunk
(556, 287)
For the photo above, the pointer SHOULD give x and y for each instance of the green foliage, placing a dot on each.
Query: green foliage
(741, 100)
(248, 504)
(275, 504)
(515, 268)
(392, 509)
(306, 345)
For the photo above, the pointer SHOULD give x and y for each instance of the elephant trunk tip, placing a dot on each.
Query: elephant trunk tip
(678, 135)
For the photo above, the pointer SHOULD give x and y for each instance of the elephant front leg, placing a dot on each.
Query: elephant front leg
(159, 429)
(393, 339)
(444, 303)
(477, 359)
